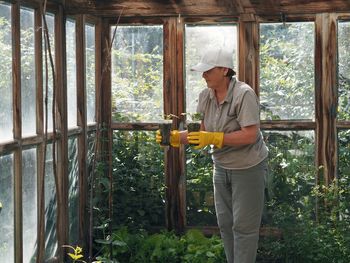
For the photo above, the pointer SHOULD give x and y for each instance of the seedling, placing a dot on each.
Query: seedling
(165, 129)
(194, 122)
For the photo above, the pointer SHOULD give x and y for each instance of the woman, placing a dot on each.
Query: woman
(230, 110)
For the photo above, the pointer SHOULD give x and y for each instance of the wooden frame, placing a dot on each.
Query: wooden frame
(325, 125)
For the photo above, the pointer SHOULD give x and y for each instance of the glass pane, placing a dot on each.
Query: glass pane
(28, 83)
(287, 89)
(344, 172)
(73, 194)
(50, 19)
(50, 207)
(90, 73)
(7, 217)
(198, 40)
(138, 172)
(30, 207)
(199, 187)
(6, 110)
(71, 73)
(137, 74)
(344, 70)
(291, 174)
(199, 196)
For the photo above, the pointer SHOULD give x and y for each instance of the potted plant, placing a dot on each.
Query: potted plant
(165, 129)
(194, 121)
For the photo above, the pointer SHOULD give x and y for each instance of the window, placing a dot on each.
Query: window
(28, 82)
(6, 110)
(343, 116)
(50, 207)
(344, 70)
(90, 72)
(7, 211)
(71, 73)
(29, 204)
(137, 74)
(73, 190)
(287, 90)
(48, 78)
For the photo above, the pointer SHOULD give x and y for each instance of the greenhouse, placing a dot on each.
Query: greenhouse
(86, 86)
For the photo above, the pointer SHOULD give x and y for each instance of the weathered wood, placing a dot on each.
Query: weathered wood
(343, 124)
(287, 125)
(108, 8)
(178, 108)
(326, 95)
(105, 145)
(205, 7)
(249, 53)
(263, 7)
(61, 125)
(40, 151)
(17, 132)
(8, 146)
(135, 126)
(81, 122)
(174, 89)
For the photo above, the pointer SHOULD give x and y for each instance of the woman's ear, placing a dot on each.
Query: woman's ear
(225, 71)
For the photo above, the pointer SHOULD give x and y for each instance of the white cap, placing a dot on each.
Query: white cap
(214, 58)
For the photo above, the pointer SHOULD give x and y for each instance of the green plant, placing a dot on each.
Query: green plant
(77, 255)
(140, 247)
(199, 248)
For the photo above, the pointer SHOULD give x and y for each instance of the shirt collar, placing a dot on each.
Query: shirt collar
(229, 94)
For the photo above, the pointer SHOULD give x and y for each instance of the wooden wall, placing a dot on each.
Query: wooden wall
(248, 15)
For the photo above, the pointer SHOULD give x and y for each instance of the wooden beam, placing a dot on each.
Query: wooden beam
(326, 95)
(17, 132)
(249, 53)
(174, 103)
(298, 7)
(61, 126)
(242, 5)
(110, 8)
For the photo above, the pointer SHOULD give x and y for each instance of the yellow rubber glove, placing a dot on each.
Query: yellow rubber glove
(203, 138)
(174, 138)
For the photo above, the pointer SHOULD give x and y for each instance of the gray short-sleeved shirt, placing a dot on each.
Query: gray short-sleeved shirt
(239, 109)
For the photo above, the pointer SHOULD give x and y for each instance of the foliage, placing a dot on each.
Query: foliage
(138, 172)
(291, 205)
(137, 63)
(286, 73)
(306, 240)
(199, 186)
(139, 247)
(343, 71)
(138, 185)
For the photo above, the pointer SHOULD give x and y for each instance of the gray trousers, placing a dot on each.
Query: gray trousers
(239, 202)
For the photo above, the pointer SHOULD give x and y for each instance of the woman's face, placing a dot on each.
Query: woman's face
(215, 77)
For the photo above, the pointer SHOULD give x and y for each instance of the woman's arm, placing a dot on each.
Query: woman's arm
(247, 135)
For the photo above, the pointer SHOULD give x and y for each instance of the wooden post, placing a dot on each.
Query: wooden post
(17, 131)
(326, 94)
(174, 104)
(61, 126)
(249, 51)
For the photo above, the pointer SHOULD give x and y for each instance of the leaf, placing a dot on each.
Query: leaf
(119, 243)
(74, 256)
(103, 241)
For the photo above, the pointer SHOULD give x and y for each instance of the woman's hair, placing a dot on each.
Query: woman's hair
(230, 73)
